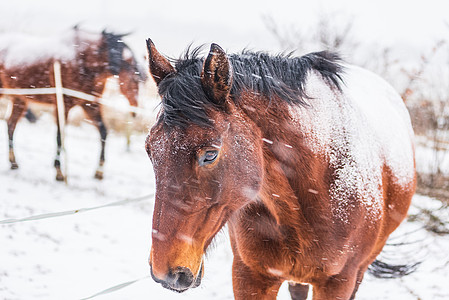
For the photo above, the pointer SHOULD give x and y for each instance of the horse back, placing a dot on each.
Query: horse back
(364, 134)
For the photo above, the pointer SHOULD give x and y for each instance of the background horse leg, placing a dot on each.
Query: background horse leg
(93, 111)
(18, 109)
(298, 291)
(59, 175)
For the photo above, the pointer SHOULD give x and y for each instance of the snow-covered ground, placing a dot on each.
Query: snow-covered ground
(79, 255)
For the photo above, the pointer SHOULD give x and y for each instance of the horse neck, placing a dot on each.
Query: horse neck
(90, 52)
(293, 177)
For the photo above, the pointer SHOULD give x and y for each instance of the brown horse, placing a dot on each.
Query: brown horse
(309, 161)
(87, 61)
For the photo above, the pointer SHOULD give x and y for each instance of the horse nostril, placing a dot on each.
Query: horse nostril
(180, 279)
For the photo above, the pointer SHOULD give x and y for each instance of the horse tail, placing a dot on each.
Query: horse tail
(382, 269)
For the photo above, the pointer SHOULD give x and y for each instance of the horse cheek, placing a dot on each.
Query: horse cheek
(247, 178)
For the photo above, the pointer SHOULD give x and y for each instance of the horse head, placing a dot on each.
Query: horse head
(208, 162)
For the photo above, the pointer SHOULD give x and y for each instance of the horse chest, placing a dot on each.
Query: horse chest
(261, 245)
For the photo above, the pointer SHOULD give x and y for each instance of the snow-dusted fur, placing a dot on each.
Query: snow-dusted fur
(309, 161)
(360, 131)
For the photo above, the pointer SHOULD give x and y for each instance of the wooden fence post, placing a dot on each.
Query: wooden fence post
(60, 110)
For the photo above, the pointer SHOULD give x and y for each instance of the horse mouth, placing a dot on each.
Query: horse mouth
(174, 289)
(179, 283)
(198, 278)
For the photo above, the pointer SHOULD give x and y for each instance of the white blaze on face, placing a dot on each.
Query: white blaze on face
(358, 132)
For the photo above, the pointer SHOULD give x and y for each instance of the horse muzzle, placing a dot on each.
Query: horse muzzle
(180, 279)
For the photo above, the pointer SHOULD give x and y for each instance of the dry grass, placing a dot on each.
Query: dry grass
(430, 121)
(436, 188)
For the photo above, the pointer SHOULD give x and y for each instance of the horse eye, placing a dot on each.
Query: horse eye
(208, 157)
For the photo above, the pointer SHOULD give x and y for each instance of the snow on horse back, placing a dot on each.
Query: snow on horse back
(309, 161)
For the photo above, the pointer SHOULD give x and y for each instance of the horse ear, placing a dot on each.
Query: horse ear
(216, 77)
(160, 67)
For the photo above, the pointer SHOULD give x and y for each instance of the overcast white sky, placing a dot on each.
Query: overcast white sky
(234, 24)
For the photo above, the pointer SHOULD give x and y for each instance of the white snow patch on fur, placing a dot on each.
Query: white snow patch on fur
(358, 131)
(24, 50)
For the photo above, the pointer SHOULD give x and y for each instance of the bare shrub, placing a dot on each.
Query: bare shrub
(333, 31)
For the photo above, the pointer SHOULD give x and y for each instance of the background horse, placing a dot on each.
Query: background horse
(87, 61)
(310, 163)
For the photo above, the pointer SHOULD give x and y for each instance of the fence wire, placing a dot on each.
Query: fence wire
(115, 288)
(67, 92)
(74, 211)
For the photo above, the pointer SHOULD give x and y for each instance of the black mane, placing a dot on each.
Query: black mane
(184, 101)
(115, 47)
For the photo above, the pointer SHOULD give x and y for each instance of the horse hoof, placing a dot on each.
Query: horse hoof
(60, 177)
(99, 175)
(14, 166)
